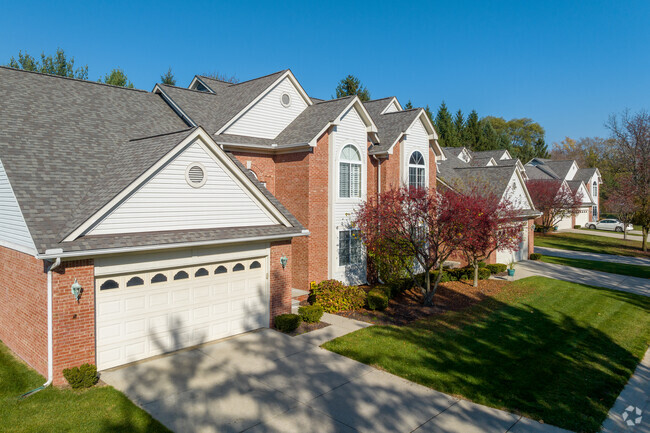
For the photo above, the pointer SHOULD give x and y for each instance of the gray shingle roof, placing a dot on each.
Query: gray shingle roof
(390, 126)
(560, 167)
(494, 178)
(480, 162)
(575, 185)
(452, 151)
(585, 174)
(376, 106)
(540, 172)
(496, 154)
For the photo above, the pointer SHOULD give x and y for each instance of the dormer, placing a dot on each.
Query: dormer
(392, 106)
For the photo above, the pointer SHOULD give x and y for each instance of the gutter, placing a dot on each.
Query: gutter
(50, 332)
(59, 254)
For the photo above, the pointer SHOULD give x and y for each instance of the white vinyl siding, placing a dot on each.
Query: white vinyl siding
(392, 107)
(516, 193)
(268, 117)
(417, 139)
(13, 228)
(350, 131)
(168, 202)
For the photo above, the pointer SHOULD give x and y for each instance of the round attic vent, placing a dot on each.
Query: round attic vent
(195, 175)
(285, 99)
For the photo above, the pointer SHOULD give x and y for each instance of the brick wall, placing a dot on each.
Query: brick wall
(281, 279)
(262, 165)
(531, 237)
(23, 307)
(390, 178)
(433, 168)
(73, 322)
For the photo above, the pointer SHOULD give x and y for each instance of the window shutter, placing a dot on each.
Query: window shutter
(344, 181)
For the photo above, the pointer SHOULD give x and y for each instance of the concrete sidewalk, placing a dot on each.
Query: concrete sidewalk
(611, 258)
(530, 268)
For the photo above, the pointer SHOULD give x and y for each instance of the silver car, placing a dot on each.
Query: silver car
(609, 224)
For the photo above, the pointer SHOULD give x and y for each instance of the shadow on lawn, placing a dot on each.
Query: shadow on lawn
(549, 368)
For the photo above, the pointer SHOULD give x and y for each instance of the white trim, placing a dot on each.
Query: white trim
(173, 104)
(203, 179)
(203, 83)
(365, 117)
(20, 248)
(216, 151)
(523, 184)
(104, 251)
(393, 99)
(433, 135)
(287, 74)
(288, 104)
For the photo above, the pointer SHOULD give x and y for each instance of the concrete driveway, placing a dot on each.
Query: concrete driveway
(265, 381)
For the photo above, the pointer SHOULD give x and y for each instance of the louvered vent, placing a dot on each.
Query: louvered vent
(195, 175)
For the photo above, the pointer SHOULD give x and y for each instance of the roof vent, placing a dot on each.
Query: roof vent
(285, 99)
(195, 175)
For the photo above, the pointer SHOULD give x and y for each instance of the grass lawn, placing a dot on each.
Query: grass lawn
(99, 409)
(590, 244)
(614, 268)
(547, 349)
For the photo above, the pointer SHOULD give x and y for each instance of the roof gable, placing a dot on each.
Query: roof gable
(392, 106)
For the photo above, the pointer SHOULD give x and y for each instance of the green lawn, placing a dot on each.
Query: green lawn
(614, 268)
(610, 231)
(590, 244)
(550, 350)
(99, 409)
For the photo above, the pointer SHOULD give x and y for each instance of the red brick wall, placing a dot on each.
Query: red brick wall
(262, 165)
(433, 168)
(531, 237)
(73, 322)
(390, 178)
(281, 279)
(23, 307)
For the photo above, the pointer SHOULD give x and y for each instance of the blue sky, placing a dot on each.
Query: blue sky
(567, 65)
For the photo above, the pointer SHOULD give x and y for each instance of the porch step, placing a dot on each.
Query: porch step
(299, 295)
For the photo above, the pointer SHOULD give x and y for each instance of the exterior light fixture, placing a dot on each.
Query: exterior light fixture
(283, 261)
(76, 289)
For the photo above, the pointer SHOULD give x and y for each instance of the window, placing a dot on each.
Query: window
(201, 273)
(350, 251)
(594, 190)
(238, 267)
(109, 284)
(350, 172)
(221, 270)
(181, 275)
(159, 278)
(594, 209)
(416, 170)
(255, 265)
(135, 281)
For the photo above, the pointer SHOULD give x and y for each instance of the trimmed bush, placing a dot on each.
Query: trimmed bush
(535, 256)
(287, 322)
(334, 296)
(497, 268)
(577, 226)
(311, 313)
(482, 265)
(83, 376)
(376, 300)
(484, 273)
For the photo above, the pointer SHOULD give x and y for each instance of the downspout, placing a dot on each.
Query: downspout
(50, 338)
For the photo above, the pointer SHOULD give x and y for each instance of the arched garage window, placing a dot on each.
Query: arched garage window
(416, 170)
(109, 284)
(350, 172)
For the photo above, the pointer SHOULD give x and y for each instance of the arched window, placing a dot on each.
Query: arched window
(159, 278)
(594, 189)
(201, 273)
(181, 275)
(135, 281)
(238, 267)
(221, 270)
(350, 172)
(416, 170)
(255, 265)
(109, 284)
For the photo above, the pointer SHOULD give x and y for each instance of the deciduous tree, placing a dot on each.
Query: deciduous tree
(621, 202)
(554, 199)
(219, 76)
(117, 77)
(59, 64)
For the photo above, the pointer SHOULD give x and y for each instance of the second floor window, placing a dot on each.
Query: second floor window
(416, 170)
(594, 189)
(350, 172)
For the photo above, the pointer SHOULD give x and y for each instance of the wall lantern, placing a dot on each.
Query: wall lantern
(283, 261)
(76, 289)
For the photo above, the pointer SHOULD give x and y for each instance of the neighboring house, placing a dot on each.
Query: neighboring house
(503, 176)
(184, 215)
(585, 180)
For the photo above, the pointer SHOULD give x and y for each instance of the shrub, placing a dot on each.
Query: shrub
(376, 300)
(84, 376)
(481, 264)
(535, 256)
(311, 313)
(497, 268)
(334, 296)
(484, 273)
(287, 322)
(577, 226)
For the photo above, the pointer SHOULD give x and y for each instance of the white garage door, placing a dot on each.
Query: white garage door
(565, 223)
(145, 314)
(508, 256)
(582, 217)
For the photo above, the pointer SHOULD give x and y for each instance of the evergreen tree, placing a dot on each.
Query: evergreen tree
(541, 149)
(459, 123)
(430, 115)
(472, 131)
(445, 126)
(408, 105)
(168, 77)
(489, 139)
(117, 77)
(351, 85)
(58, 64)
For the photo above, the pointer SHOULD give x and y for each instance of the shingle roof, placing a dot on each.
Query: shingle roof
(496, 154)
(480, 162)
(585, 174)
(376, 106)
(390, 126)
(560, 167)
(452, 151)
(214, 110)
(575, 186)
(494, 178)
(540, 172)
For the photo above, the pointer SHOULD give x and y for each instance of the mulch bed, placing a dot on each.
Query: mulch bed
(407, 306)
(308, 327)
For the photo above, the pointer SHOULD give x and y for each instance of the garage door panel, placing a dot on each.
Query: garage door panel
(160, 314)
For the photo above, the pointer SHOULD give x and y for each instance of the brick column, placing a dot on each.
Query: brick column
(280, 279)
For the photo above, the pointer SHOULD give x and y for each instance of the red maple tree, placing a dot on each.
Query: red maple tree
(554, 199)
(417, 223)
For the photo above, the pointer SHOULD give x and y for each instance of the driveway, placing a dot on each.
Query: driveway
(266, 381)
(582, 255)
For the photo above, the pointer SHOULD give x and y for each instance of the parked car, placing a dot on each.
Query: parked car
(609, 224)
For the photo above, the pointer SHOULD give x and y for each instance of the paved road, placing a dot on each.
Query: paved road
(611, 258)
(266, 381)
(530, 268)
